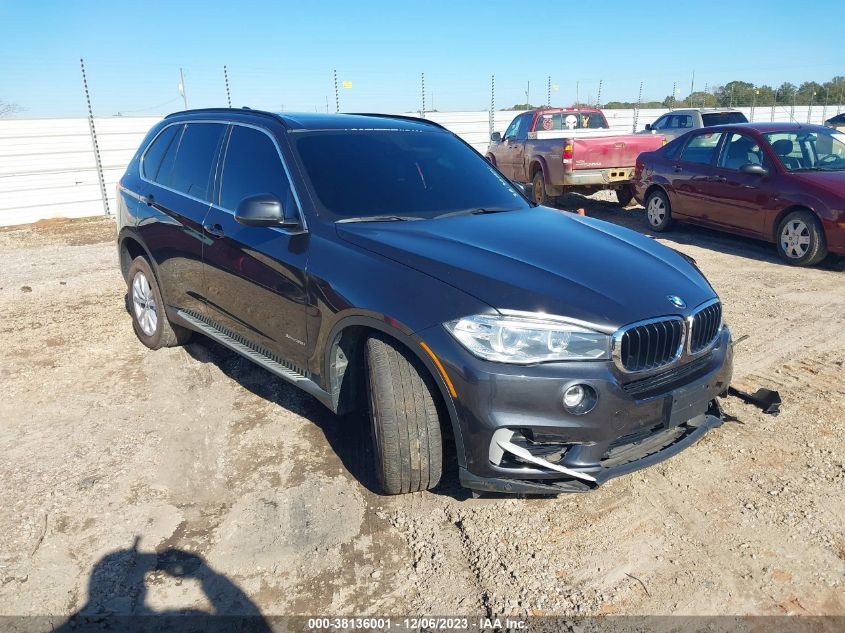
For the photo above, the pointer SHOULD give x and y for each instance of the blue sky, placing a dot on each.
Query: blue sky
(282, 54)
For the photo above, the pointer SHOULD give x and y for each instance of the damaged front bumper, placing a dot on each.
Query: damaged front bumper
(622, 459)
(517, 436)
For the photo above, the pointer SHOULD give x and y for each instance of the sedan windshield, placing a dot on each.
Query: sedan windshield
(364, 174)
(803, 150)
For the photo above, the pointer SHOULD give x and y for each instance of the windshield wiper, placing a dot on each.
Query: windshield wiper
(378, 218)
(475, 211)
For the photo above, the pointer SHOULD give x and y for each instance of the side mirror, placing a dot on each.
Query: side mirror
(263, 209)
(496, 137)
(648, 127)
(757, 170)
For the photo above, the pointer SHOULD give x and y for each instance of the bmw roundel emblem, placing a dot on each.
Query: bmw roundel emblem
(676, 301)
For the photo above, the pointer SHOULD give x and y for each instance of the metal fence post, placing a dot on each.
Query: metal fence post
(336, 94)
(94, 144)
(422, 91)
(226, 80)
(492, 103)
(598, 96)
(637, 109)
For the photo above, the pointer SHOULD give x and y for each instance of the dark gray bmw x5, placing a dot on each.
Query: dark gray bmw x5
(379, 262)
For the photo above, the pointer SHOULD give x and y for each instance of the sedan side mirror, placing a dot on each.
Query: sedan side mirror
(496, 137)
(263, 209)
(648, 127)
(752, 168)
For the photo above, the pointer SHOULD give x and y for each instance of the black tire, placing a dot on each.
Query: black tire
(538, 189)
(800, 239)
(624, 195)
(163, 333)
(658, 211)
(404, 418)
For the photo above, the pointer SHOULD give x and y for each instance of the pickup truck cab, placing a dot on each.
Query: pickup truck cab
(562, 150)
(677, 122)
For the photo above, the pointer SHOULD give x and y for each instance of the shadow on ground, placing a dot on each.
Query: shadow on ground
(118, 587)
(348, 435)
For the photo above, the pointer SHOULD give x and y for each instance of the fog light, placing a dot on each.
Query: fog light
(574, 396)
(579, 399)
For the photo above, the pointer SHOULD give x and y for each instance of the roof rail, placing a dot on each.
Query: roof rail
(402, 117)
(242, 110)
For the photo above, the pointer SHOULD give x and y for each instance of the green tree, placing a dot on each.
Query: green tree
(8, 109)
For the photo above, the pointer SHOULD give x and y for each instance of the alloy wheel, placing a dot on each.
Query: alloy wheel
(143, 302)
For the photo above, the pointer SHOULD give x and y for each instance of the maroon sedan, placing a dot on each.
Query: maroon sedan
(780, 182)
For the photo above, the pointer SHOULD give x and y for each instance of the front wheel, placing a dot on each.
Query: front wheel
(658, 211)
(404, 417)
(801, 239)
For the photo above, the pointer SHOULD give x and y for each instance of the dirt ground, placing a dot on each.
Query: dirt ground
(118, 461)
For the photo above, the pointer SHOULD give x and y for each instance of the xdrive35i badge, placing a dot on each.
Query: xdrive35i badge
(676, 301)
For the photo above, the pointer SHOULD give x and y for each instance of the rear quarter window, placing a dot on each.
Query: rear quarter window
(157, 150)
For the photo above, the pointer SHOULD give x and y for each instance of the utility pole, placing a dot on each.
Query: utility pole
(692, 85)
(182, 90)
(226, 79)
(527, 93)
(577, 94)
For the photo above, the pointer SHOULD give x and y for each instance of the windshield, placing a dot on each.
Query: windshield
(410, 173)
(800, 150)
(722, 118)
(570, 120)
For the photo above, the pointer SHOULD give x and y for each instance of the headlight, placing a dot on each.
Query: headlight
(525, 340)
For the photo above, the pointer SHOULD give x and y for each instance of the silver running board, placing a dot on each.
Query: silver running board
(247, 352)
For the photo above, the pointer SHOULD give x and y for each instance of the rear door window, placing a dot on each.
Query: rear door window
(252, 165)
(192, 171)
(163, 143)
(701, 148)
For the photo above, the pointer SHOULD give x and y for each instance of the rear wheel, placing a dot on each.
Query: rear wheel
(404, 418)
(625, 195)
(538, 184)
(801, 239)
(149, 320)
(658, 211)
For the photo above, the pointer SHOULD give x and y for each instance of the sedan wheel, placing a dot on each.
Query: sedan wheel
(658, 211)
(801, 239)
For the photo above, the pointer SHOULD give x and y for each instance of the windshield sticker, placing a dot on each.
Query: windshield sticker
(571, 121)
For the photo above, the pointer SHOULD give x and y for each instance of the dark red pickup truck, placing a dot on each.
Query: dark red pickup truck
(561, 150)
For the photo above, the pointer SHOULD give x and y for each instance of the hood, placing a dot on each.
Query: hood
(543, 260)
(832, 182)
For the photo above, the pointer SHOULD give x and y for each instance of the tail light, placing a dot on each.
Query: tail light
(567, 154)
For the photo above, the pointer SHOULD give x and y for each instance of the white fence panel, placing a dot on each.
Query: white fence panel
(47, 166)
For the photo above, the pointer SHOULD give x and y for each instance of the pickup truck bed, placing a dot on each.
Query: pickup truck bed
(557, 161)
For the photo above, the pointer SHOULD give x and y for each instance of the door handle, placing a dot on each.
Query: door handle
(214, 230)
(717, 179)
(678, 169)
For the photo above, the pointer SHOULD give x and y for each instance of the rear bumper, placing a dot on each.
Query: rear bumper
(598, 177)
